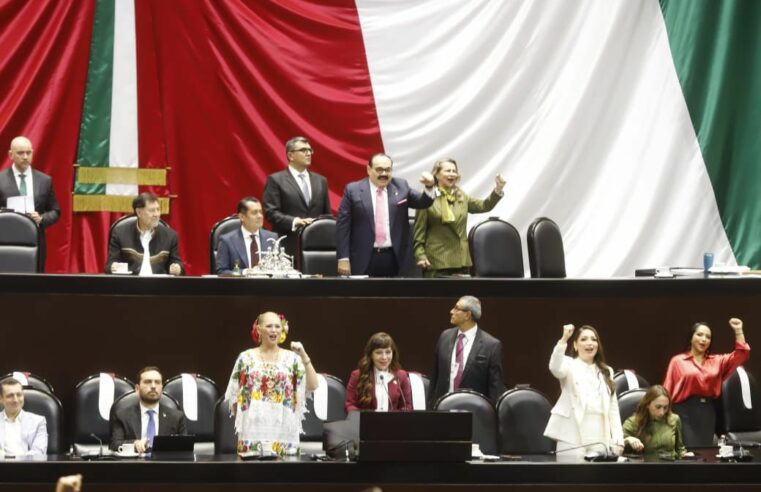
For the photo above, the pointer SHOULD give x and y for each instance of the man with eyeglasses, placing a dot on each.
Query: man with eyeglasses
(373, 230)
(295, 196)
(467, 357)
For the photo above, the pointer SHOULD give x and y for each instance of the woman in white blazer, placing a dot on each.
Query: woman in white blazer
(586, 413)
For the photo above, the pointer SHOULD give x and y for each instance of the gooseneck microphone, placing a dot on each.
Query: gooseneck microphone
(100, 442)
(401, 390)
(385, 388)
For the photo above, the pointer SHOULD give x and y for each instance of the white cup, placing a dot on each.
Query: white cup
(266, 448)
(121, 267)
(127, 448)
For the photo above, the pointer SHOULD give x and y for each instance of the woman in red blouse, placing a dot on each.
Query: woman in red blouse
(379, 382)
(694, 379)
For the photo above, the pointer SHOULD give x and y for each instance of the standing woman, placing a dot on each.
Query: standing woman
(586, 413)
(440, 239)
(267, 390)
(694, 379)
(379, 382)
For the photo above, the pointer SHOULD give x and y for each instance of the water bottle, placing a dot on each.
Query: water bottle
(707, 261)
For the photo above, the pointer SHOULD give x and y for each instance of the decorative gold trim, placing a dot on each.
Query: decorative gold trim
(121, 175)
(111, 203)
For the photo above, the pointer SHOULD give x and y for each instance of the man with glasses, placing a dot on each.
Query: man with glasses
(294, 197)
(466, 356)
(373, 230)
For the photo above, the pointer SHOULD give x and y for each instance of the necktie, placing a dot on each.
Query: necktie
(150, 431)
(22, 184)
(460, 362)
(304, 187)
(380, 218)
(254, 251)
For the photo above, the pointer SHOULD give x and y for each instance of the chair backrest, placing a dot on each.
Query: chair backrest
(198, 405)
(740, 403)
(628, 379)
(19, 244)
(546, 257)
(30, 380)
(495, 247)
(420, 385)
(92, 410)
(225, 441)
(46, 404)
(326, 405)
(523, 414)
(628, 401)
(484, 416)
(316, 248)
(219, 229)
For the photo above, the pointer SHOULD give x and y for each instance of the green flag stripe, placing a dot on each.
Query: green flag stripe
(96, 113)
(714, 46)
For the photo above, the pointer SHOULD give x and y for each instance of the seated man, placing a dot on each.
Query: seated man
(128, 245)
(142, 422)
(21, 433)
(244, 246)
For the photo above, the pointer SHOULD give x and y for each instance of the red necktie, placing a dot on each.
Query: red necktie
(254, 251)
(459, 360)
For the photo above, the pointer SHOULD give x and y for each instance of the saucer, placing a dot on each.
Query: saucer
(127, 455)
(128, 272)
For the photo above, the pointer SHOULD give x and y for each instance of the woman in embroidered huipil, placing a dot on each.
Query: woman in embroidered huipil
(654, 429)
(440, 239)
(267, 389)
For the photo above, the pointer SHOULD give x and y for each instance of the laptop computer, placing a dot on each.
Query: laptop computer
(173, 447)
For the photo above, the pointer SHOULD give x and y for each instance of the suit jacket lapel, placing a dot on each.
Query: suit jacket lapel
(393, 198)
(135, 420)
(165, 428)
(12, 182)
(366, 197)
(239, 243)
(474, 351)
(296, 186)
(449, 347)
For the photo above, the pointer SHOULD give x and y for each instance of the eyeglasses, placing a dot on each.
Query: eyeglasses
(382, 170)
(458, 308)
(305, 150)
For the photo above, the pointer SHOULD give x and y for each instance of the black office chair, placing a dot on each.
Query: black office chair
(19, 244)
(89, 417)
(484, 416)
(316, 248)
(628, 401)
(628, 379)
(46, 404)
(334, 390)
(546, 258)
(416, 379)
(740, 407)
(200, 418)
(30, 380)
(219, 229)
(225, 440)
(495, 248)
(523, 414)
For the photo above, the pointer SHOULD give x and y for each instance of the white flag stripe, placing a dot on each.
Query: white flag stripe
(123, 145)
(576, 103)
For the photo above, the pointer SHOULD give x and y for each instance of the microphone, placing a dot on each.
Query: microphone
(385, 388)
(595, 457)
(401, 390)
(100, 442)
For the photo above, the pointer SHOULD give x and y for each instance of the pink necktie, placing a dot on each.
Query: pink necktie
(458, 359)
(380, 218)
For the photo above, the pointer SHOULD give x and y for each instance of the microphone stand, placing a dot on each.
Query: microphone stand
(604, 457)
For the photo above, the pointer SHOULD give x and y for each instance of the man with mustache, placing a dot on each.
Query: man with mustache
(372, 230)
(141, 423)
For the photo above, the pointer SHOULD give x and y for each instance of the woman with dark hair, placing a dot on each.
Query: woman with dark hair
(379, 382)
(440, 239)
(694, 379)
(654, 429)
(586, 414)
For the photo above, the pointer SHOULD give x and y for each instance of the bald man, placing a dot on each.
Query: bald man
(20, 179)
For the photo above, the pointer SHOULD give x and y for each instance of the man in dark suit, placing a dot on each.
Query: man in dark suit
(129, 244)
(294, 197)
(140, 423)
(244, 246)
(21, 180)
(467, 356)
(373, 229)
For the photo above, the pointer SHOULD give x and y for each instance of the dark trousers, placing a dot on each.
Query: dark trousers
(698, 416)
(383, 263)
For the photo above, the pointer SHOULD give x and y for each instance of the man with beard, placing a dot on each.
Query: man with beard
(373, 230)
(130, 244)
(142, 422)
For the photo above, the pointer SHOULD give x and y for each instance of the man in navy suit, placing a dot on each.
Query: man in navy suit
(373, 229)
(295, 196)
(244, 246)
(22, 433)
(467, 357)
(21, 180)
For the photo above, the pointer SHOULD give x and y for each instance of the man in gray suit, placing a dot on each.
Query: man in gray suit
(244, 246)
(467, 357)
(295, 196)
(21, 180)
(22, 433)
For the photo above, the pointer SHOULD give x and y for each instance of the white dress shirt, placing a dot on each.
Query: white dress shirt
(247, 239)
(470, 335)
(145, 240)
(382, 379)
(27, 180)
(14, 446)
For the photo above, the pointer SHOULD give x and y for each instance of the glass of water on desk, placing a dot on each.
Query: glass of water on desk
(707, 261)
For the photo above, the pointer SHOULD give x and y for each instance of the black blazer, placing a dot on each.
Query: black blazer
(126, 425)
(283, 201)
(125, 246)
(483, 369)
